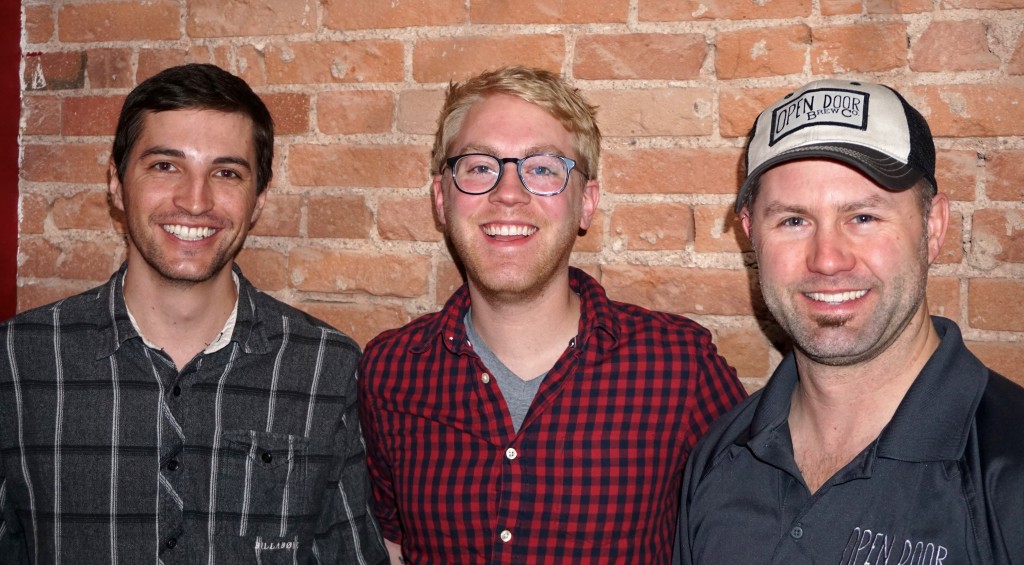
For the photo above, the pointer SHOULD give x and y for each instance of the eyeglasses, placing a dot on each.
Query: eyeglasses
(541, 174)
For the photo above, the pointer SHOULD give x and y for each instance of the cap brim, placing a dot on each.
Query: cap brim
(879, 167)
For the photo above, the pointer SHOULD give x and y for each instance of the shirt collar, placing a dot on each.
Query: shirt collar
(595, 314)
(931, 423)
(243, 326)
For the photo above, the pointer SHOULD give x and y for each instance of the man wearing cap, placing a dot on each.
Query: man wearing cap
(880, 438)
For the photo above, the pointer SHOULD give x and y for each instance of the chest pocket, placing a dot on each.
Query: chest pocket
(261, 486)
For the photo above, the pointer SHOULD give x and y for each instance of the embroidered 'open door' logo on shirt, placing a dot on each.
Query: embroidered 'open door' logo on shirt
(834, 107)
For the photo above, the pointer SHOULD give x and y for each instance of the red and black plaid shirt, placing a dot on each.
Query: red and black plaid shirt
(594, 473)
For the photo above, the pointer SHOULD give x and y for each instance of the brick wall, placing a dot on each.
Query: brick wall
(355, 86)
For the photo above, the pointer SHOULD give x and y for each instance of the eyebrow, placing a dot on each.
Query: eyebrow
(532, 150)
(871, 202)
(178, 154)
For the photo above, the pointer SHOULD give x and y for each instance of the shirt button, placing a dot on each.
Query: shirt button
(176, 390)
(172, 465)
(267, 457)
(171, 543)
(506, 536)
(797, 532)
(511, 453)
(485, 378)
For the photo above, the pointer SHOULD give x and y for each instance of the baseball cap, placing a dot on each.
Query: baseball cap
(865, 125)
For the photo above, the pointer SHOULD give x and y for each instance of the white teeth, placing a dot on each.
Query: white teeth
(507, 230)
(188, 233)
(836, 297)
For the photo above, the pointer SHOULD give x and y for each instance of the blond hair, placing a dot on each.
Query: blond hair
(537, 86)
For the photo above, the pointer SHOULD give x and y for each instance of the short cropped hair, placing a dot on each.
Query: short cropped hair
(536, 86)
(201, 87)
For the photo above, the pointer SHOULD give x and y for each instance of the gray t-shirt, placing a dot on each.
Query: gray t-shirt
(518, 393)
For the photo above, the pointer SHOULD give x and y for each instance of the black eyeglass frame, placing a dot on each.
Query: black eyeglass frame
(570, 165)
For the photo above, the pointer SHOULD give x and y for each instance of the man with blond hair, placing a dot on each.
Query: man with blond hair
(532, 419)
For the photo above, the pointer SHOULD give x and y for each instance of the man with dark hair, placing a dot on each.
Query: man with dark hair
(880, 438)
(532, 420)
(176, 414)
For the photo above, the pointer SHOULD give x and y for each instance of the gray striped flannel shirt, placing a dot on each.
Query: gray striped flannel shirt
(250, 454)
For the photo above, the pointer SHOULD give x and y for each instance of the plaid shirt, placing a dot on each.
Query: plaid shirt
(594, 474)
(250, 454)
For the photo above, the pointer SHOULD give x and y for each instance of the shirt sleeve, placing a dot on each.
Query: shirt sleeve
(347, 531)
(718, 390)
(385, 508)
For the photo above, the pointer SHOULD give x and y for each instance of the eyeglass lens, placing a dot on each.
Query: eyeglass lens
(542, 174)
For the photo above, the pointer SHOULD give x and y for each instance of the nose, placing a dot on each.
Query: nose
(195, 195)
(510, 190)
(831, 252)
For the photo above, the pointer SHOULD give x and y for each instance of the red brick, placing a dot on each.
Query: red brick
(640, 56)
(746, 349)
(38, 23)
(119, 21)
(1003, 173)
(718, 230)
(654, 111)
(982, 4)
(109, 68)
(41, 114)
(593, 240)
(943, 295)
(37, 258)
(953, 46)
(347, 15)
(87, 210)
(76, 163)
(39, 293)
(348, 272)
(952, 250)
(957, 173)
(761, 52)
(326, 62)
(281, 215)
(657, 226)
(898, 6)
(89, 260)
(739, 107)
(683, 290)
(34, 209)
(408, 219)
(418, 111)
(339, 216)
(55, 71)
(1016, 64)
(971, 110)
(662, 11)
(398, 166)
(358, 320)
(872, 47)
(239, 18)
(1003, 357)
(546, 12)
(267, 269)
(357, 111)
(249, 62)
(997, 237)
(671, 171)
(152, 61)
(995, 304)
(447, 279)
(841, 7)
(458, 58)
(90, 115)
(290, 111)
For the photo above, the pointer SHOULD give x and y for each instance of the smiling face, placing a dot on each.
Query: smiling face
(188, 194)
(514, 244)
(843, 263)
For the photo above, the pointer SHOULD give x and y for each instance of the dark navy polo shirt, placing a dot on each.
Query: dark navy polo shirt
(921, 493)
